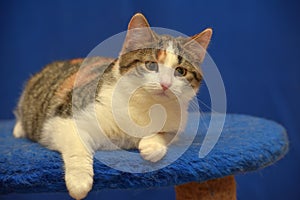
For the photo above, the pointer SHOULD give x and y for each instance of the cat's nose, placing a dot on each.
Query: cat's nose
(165, 86)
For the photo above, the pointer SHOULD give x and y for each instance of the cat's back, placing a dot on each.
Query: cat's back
(48, 79)
(48, 93)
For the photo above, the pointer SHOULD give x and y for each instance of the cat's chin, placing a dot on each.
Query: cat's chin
(163, 95)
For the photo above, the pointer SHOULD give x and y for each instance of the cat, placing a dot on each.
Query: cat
(46, 109)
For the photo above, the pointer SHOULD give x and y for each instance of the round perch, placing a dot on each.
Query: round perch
(246, 144)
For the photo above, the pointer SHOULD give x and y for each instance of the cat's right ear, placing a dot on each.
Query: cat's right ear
(138, 33)
(201, 39)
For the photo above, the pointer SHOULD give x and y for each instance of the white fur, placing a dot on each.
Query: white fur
(62, 135)
(18, 131)
(94, 128)
(171, 58)
(154, 148)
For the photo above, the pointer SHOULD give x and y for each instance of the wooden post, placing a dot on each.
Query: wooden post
(216, 189)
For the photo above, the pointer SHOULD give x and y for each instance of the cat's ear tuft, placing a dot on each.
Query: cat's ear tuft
(201, 39)
(138, 21)
(138, 34)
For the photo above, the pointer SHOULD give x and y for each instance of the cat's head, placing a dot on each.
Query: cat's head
(163, 65)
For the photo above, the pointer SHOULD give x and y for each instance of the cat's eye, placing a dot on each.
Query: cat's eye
(180, 71)
(152, 66)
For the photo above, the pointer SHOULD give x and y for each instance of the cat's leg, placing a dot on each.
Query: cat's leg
(154, 148)
(78, 173)
(61, 135)
(18, 131)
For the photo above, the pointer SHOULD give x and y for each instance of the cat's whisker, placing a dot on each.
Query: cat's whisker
(207, 106)
(194, 105)
(202, 120)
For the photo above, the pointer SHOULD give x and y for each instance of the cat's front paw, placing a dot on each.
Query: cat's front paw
(152, 151)
(79, 184)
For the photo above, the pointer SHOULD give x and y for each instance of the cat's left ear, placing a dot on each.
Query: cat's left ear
(201, 39)
(138, 33)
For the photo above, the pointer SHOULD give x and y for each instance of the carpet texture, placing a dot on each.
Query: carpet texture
(246, 144)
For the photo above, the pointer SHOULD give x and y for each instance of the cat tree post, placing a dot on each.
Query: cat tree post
(246, 144)
(217, 189)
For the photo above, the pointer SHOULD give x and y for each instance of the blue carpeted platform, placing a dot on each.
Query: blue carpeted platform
(246, 144)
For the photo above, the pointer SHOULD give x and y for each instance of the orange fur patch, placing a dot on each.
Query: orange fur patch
(76, 61)
(80, 78)
(161, 56)
(66, 86)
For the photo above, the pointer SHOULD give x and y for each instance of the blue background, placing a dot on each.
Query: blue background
(256, 46)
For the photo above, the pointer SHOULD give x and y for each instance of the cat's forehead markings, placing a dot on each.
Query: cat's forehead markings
(171, 58)
(170, 47)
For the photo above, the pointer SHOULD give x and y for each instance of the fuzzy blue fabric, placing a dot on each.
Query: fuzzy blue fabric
(246, 144)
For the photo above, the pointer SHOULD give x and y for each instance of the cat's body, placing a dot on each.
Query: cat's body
(58, 109)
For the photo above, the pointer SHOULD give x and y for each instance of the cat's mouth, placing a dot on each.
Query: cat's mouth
(165, 94)
(160, 94)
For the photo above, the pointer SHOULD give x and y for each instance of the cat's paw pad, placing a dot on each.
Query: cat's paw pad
(152, 151)
(79, 184)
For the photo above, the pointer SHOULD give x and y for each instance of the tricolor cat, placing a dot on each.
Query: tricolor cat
(167, 68)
